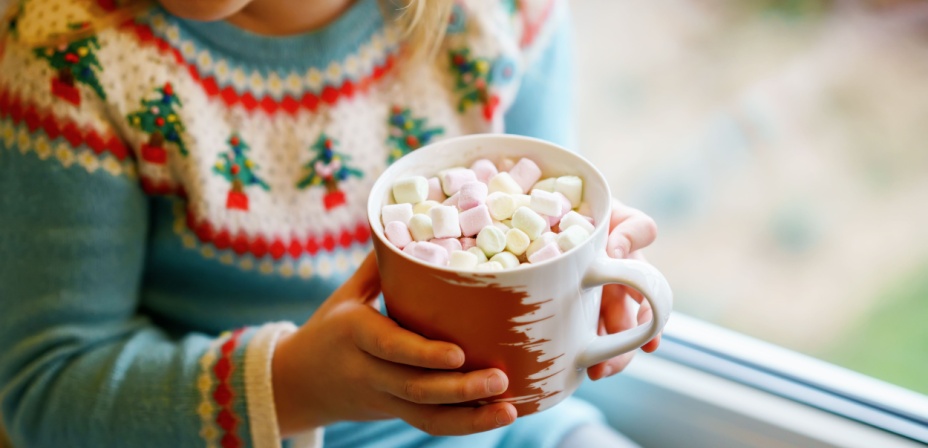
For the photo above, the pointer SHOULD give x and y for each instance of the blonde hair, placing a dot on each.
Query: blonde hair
(421, 23)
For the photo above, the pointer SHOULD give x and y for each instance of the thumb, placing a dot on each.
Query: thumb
(364, 285)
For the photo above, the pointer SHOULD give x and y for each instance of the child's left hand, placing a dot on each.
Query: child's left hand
(630, 230)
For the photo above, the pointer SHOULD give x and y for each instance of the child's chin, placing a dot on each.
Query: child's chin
(204, 10)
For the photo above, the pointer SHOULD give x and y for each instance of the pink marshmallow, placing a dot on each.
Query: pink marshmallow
(547, 252)
(484, 169)
(409, 247)
(453, 200)
(471, 195)
(467, 243)
(453, 178)
(450, 244)
(474, 220)
(431, 253)
(525, 173)
(565, 207)
(435, 193)
(398, 234)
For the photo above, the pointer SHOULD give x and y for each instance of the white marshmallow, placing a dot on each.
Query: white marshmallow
(571, 187)
(571, 238)
(435, 193)
(453, 178)
(430, 253)
(504, 182)
(450, 244)
(396, 212)
(545, 184)
(491, 241)
(501, 226)
(517, 241)
(484, 169)
(506, 259)
(445, 223)
(545, 203)
(423, 207)
(471, 195)
(501, 205)
(474, 220)
(420, 227)
(397, 233)
(573, 218)
(526, 220)
(478, 252)
(542, 241)
(411, 190)
(525, 173)
(522, 200)
(565, 207)
(547, 252)
(463, 260)
(489, 266)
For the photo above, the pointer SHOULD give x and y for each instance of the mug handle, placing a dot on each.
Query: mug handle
(652, 285)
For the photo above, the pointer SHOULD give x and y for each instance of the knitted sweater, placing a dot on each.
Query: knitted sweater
(174, 195)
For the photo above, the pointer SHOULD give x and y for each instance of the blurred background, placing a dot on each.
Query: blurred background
(782, 147)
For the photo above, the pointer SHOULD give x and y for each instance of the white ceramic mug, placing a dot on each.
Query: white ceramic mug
(538, 323)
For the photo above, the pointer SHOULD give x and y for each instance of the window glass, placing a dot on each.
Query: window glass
(782, 148)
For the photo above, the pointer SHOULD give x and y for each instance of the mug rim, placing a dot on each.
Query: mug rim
(436, 146)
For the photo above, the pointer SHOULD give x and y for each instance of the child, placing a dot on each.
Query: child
(176, 191)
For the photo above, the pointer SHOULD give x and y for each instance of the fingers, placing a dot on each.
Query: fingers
(631, 230)
(616, 309)
(645, 314)
(437, 387)
(383, 338)
(440, 420)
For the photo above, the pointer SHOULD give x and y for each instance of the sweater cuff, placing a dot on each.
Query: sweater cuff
(236, 393)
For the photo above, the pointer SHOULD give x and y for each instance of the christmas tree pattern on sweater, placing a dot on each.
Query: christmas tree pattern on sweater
(327, 168)
(407, 133)
(75, 62)
(235, 166)
(158, 118)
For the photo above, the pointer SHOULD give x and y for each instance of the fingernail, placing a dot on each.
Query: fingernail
(495, 384)
(503, 417)
(607, 371)
(618, 253)
(454, 358)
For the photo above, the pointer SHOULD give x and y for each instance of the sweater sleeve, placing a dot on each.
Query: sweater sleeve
(80, 365)
(543, 106)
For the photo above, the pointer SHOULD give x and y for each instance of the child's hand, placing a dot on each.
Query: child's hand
(349, 362)
(630, 231)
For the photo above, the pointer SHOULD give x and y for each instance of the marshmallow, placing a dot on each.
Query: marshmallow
(453, 178)
(525, 173)
(501, 205)
(570, 186)
(542, 241)
(484, 169)
(489, 266)
(506, 259)
(467, 243)
(412, 190)
(435, 193)
(452, 200)
(396, 212)
(397, 233)
(478, 252)
(474, 220)
(526, 220)
(409, 247)
(423, 207)
(565, 207)
(491, 241)
(517, 241)
(585, 210)
(445, 223)
(547, 252)
(471, 195)
(573, 218)
(506, 164)
(463, 260)
(572, 237)
(545, 184)
(420, 226)
(430, 253)
(501, 226)
(522, 200)
(545, 203)
(450, 244)
(504, 182)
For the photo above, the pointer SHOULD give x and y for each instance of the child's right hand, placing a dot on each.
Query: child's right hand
(349, 362)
